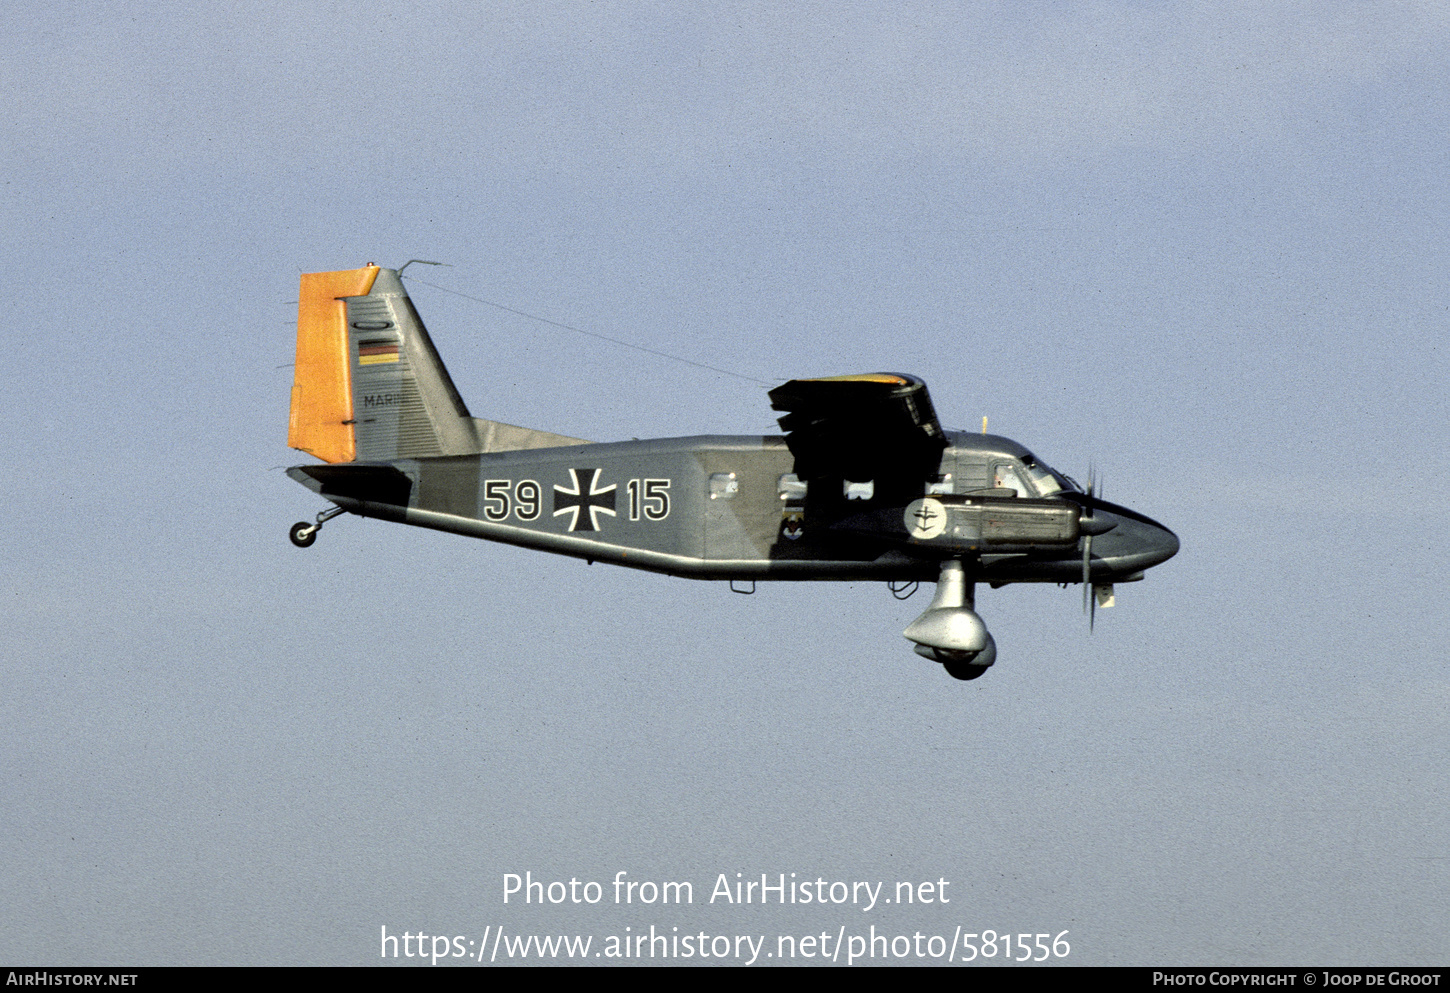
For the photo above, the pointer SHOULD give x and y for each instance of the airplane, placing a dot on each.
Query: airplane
(864, 484)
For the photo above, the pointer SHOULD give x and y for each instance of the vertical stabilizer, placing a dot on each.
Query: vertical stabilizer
(369, 384)
(404, 402)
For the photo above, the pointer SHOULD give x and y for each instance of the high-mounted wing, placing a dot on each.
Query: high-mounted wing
(879, 427)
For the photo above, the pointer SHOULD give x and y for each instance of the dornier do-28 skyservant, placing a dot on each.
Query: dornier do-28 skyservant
(865, 483)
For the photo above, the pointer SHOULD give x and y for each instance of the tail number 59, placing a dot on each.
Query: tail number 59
(524, 501)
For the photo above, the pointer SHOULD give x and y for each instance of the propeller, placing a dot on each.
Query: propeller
(1089, 604)
(1090, 525)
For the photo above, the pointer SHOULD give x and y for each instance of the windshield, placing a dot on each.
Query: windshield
(1047, 479)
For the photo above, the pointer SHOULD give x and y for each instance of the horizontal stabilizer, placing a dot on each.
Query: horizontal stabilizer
(365, 483)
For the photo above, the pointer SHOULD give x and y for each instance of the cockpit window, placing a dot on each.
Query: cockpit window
(1047, 480)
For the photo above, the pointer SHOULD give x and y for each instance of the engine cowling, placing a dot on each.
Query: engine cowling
(968, 524)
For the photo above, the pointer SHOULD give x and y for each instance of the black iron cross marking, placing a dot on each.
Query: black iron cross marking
(584, 497)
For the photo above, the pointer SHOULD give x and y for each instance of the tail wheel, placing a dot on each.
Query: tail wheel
(303, 534)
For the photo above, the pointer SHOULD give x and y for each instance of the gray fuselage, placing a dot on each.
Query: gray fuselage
(729, 507)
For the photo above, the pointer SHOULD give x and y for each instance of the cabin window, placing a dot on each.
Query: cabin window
(859, 491)
(723, 485)
(791, 489)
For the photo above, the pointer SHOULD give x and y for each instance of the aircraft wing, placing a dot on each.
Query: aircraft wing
(880, 427)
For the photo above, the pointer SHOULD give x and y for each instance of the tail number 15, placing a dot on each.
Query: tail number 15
(650, 495)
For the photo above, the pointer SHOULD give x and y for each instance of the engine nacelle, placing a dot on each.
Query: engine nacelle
(971, 524)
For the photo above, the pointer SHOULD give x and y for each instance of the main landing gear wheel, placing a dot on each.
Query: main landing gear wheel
(964, 670)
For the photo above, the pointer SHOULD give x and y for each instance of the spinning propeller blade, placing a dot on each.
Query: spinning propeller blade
(1089, 602)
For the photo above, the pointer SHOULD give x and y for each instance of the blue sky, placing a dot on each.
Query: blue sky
(1201, 249)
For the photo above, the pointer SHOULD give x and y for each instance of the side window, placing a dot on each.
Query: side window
(1005, 476)
(792, 490)
(724, 486)
(859, 491)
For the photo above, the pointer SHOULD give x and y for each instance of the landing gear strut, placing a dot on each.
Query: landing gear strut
(949, 631)
(304, 534)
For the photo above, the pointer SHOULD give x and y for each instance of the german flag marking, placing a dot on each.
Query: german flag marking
(376, 352)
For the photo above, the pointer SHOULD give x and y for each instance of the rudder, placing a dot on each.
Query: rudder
(321, 418)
